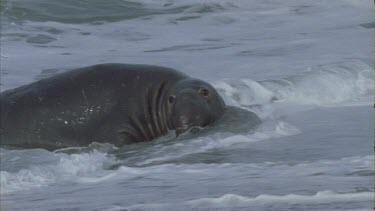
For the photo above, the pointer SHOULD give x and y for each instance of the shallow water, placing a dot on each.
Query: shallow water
(304, 67)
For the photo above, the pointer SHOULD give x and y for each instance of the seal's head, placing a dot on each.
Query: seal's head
(192, 103)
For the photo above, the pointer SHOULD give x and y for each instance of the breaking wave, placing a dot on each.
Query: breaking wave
(320, 85)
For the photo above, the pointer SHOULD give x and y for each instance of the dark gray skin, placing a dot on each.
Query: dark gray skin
(114, 103)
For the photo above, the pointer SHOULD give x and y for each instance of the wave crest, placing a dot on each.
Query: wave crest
(320, 85)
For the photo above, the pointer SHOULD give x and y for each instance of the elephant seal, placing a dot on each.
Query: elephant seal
(113, 103)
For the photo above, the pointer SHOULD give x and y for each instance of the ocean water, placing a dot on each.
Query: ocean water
(304, 67)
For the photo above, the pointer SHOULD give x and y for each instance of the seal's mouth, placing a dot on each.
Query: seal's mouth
(187, 129)
(182, 129)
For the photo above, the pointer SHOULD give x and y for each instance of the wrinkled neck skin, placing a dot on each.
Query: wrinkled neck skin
(189, 108)
(152, 122)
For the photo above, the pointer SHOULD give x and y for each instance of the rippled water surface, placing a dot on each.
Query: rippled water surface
(303, 67)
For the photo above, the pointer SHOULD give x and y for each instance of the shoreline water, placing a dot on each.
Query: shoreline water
(305, 68)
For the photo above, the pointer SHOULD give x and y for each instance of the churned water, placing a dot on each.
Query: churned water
(304, 67)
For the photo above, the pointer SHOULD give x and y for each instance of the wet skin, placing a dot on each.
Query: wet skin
(114, 103)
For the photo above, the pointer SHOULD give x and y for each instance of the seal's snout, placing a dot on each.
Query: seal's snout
(193, 103)
(190, 110)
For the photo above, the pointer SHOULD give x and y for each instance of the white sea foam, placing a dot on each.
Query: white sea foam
(354, 166)
(321, 85)
(238, 201)
(162, 152)
(92, 167)
(320, 197)
(76, 167)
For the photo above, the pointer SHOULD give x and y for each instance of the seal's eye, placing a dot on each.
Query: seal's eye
(171, 99)
(204, 92)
